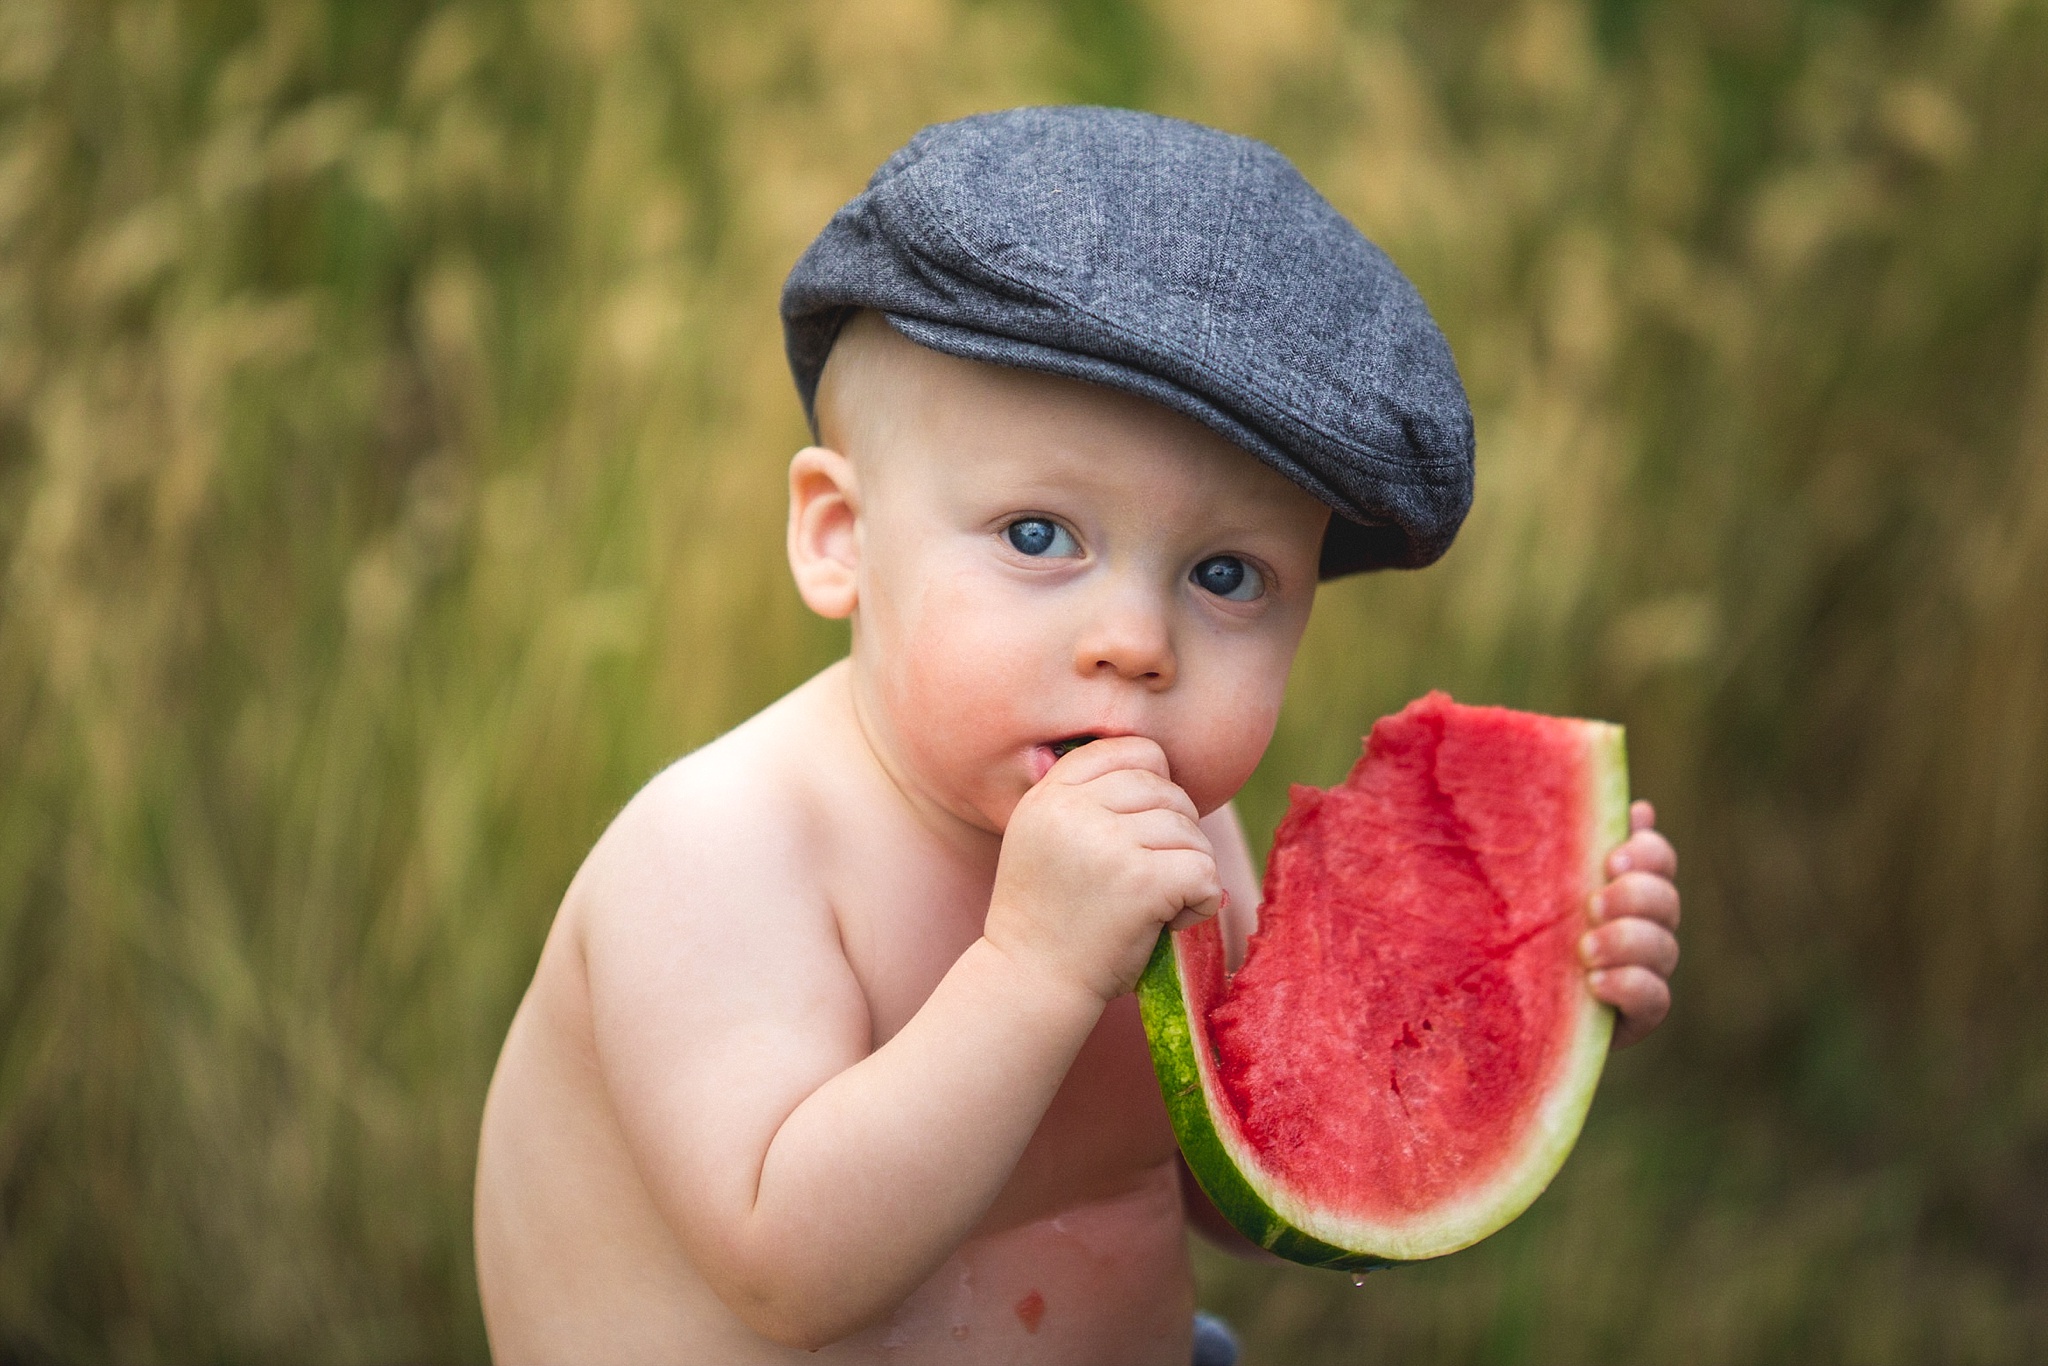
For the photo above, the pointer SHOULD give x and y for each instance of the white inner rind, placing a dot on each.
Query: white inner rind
(1492, 1204)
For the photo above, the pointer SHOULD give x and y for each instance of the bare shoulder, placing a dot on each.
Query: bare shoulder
(731, 819)
(692, 992)
(701, 909)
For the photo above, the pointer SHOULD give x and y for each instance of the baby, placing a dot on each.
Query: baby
(831, 1054)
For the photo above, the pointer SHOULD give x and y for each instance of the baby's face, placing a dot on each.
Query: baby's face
(1041, 560)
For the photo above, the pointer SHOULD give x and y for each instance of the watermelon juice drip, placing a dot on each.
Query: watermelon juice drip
(1396, 1024)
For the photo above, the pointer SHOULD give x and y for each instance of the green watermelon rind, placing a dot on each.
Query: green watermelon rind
(1165, 1013)
(1275, 1220)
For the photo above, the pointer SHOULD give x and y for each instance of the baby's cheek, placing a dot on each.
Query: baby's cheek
(1220, 739)
(957, 700)
(965, 693)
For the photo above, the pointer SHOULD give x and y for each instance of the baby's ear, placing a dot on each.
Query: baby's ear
(824, 549)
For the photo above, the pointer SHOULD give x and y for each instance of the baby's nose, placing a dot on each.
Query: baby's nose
(1128, 642)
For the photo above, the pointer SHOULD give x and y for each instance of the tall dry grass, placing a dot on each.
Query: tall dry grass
(391, 417)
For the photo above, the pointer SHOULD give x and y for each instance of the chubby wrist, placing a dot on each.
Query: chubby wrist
(1030, 985)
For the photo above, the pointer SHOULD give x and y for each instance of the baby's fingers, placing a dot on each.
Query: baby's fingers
(1128, 791)
(1195, 886)
(1645, 851)
(1090, 761)
(1639, 996)
(1163, 829)
(1630, 943)
(1643, 895)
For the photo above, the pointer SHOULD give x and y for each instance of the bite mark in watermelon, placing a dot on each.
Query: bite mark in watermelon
(1409, 1050)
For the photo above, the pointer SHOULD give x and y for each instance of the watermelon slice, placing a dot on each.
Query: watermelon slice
(1408, 1052)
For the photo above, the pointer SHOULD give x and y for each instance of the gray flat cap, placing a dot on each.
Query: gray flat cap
(1190, 266)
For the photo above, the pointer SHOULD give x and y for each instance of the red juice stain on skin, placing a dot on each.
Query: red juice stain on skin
(1030, 1311)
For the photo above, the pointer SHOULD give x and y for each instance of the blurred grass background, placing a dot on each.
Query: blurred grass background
(392, 419)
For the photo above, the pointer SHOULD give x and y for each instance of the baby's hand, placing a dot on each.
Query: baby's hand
(1101, 855)
(1633, 947)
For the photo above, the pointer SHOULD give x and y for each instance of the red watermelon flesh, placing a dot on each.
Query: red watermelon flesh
(1408, 1052)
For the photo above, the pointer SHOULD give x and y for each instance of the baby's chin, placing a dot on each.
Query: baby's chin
(1206, 786)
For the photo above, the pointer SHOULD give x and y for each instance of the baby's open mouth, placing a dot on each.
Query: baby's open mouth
(1062, 748)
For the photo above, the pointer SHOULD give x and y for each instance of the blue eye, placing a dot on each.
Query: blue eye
(1036, 536)
(1228, 577)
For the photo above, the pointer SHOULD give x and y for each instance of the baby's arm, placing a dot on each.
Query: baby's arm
(815, 1183)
